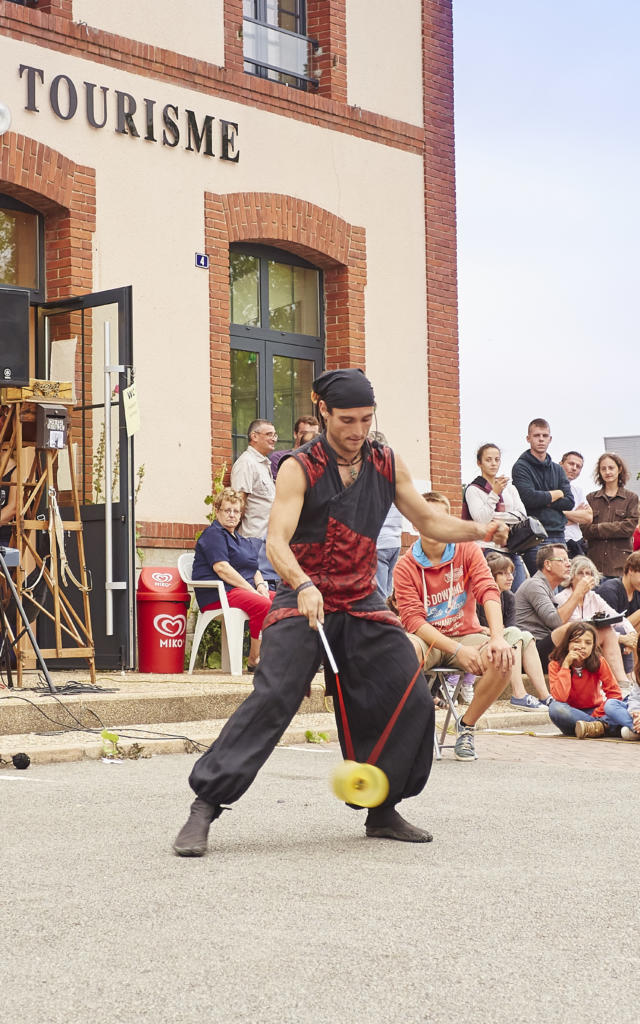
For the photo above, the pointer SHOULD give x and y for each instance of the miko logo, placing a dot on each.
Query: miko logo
(172, 627)
(163, 579)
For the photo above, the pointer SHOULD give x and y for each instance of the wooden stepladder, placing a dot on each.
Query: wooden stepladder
(44, 579)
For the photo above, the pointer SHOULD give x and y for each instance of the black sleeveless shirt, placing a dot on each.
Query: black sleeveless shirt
(335, 539)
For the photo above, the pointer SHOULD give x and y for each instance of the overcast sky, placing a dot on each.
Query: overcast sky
(548, 178)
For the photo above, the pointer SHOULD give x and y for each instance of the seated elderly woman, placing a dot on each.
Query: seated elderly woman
(593, 609)
(222, 554)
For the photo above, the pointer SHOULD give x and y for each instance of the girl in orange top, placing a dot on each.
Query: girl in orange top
(587, 700)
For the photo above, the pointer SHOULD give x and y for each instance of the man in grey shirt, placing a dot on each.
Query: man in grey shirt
(536, 608)
(251, 475)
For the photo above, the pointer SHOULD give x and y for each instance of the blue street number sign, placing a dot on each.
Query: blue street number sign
(202, 260)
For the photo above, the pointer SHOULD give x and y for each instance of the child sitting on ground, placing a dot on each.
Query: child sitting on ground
(587, 701)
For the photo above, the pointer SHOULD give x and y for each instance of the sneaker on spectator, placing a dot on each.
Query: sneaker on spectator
(526, 703)
(452, 681)
(464, 748)
(466, 693)
(547, 702)
(629, 734)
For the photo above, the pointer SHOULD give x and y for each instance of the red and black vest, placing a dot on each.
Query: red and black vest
(335, 539)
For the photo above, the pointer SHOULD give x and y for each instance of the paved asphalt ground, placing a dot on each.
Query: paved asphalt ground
(523, 909)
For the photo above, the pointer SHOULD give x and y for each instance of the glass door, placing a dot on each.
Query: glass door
(88, 340)
(272, 382)
(277, 344)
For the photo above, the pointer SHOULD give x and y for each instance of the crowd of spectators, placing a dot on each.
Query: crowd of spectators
(569, 608)
(577, 588)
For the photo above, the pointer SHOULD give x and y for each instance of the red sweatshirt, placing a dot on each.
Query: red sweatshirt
(444, 595)
(583, 691)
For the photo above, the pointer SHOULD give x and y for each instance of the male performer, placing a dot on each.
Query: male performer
(332, 496)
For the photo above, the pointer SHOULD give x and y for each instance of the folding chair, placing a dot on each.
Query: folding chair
(437, 682)
(233, 620)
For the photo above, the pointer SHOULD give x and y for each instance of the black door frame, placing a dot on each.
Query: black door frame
(119, 650)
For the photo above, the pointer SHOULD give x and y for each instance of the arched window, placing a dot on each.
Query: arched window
(21, 248)
(277, 339)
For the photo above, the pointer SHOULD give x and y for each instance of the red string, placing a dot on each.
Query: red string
(345, 725)
(377, 750)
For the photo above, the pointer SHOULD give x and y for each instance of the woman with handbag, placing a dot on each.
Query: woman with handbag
(615, 517)
(490, 496)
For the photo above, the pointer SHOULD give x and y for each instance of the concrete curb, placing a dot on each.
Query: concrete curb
(182, 736)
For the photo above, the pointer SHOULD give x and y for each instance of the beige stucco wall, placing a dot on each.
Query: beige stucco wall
(384, 57)
(195, 29)
(150, 224)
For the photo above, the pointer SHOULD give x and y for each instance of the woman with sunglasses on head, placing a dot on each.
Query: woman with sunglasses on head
(587, 701)
(491, 496)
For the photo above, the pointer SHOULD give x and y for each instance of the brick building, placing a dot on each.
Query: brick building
(238, 195)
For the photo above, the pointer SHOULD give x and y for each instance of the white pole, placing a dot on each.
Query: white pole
(108, 497)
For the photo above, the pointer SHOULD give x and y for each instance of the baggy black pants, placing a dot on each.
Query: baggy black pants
(375, 662)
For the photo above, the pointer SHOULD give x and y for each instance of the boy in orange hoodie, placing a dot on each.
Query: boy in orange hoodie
(436, 587)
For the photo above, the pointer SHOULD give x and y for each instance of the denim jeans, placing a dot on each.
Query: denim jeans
(519, 573)
(387, 558)
(615, 716)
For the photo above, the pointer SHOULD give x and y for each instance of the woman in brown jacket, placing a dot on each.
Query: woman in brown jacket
(615, 516)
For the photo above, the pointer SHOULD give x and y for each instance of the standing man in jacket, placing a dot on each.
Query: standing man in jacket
(543, 487)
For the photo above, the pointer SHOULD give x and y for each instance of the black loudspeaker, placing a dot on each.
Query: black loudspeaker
(14, 337)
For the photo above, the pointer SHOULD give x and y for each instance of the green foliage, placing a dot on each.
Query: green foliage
(210, 650)
(218, 485)
(316, 737)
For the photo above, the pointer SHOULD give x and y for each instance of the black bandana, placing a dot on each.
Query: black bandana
(344, 389)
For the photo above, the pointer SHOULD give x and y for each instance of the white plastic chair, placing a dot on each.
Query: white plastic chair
(233, 620)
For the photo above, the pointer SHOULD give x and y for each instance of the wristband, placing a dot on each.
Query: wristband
(456, 650)
(303, 586)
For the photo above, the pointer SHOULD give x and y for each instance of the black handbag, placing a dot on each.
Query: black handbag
(525, 534)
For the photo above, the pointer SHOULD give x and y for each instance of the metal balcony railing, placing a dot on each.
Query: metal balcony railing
(268, 48)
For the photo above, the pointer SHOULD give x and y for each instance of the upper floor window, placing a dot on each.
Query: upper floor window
(275, 45)
(21, 247)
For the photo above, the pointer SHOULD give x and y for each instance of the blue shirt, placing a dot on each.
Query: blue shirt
(614, 594)
(218, 545)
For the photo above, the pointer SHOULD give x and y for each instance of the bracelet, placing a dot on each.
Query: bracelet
(456, 650)
(303, 586)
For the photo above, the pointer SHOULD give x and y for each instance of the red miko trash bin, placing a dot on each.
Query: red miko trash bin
(162, 601)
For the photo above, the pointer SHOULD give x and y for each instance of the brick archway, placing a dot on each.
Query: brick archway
(330, 243)
(65, 193)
